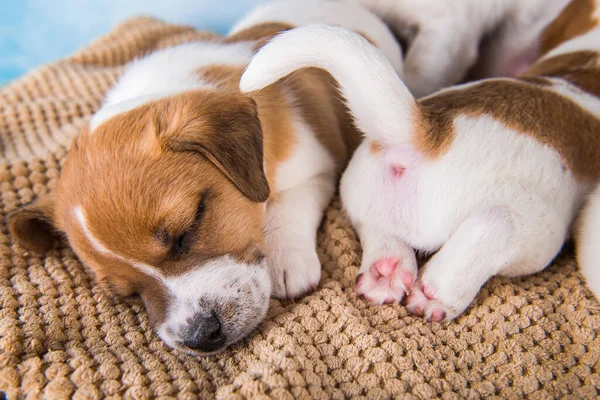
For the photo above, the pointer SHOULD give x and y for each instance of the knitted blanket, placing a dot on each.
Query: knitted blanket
(62, 337)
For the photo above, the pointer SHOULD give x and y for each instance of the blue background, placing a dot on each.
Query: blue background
(34, 32)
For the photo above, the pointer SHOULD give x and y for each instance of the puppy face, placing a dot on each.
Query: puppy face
(166, 201)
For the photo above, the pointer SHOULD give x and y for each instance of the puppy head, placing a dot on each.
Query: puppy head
(165, 201)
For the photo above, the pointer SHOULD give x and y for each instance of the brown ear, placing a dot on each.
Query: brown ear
(227, 131)
(33, 224)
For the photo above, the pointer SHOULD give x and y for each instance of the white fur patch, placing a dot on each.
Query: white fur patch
(168, 72)
(583, 99)
(347, 14)
(214, 284)
(309, 158)
(586, 42)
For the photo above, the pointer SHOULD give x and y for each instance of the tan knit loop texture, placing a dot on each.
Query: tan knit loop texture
(63, 337)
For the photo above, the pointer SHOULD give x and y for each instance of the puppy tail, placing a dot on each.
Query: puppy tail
(382, 106)
(588, 242)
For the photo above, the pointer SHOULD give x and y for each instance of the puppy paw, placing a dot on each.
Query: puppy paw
(422, 301)
(294, 273)
(387, 280)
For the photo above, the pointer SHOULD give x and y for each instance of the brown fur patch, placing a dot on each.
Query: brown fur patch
(580, 68)
(576, 19)
(435, 128)
(375, 147)
(273, 111)
(550, 118)
(225, 76)
(316, 98)
(32, 224)
(260, 33)
(222, 126)
(367, 37)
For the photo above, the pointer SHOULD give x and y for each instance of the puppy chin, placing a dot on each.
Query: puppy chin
(215, 305)
(172, 341)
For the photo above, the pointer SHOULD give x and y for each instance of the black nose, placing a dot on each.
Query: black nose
(205, 334)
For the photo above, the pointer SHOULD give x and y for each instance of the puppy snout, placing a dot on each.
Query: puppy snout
(205, 334)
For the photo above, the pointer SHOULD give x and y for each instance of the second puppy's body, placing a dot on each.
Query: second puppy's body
(490, 174)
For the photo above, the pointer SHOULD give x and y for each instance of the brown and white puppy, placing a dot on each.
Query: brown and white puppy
(489, 175)
(201, 199)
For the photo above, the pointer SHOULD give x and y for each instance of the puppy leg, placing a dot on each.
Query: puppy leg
(442, 36)
(437, 59)
(388, 267)
(496, 241)
(291, 224)
(480, 248)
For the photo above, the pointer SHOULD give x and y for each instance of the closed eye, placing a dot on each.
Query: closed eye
(181, 243)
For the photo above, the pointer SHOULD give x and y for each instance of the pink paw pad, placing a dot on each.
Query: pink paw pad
(384, 282)
(386, 266)
(429, 293)
(407, 278)
(422, 302)
(420, 311)
(438, 315)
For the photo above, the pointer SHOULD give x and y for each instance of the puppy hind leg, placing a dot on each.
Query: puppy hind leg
(480, 248)
(291, 223)
(437, 60)
(491, 242)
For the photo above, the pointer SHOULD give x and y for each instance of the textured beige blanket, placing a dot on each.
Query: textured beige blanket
(63, 337)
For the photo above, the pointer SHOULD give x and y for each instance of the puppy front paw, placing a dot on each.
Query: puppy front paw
(386, 280)
(294, 273)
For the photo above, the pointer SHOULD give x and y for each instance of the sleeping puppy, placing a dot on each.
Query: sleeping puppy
(448, 38)
(201, 199)
(490, 175)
